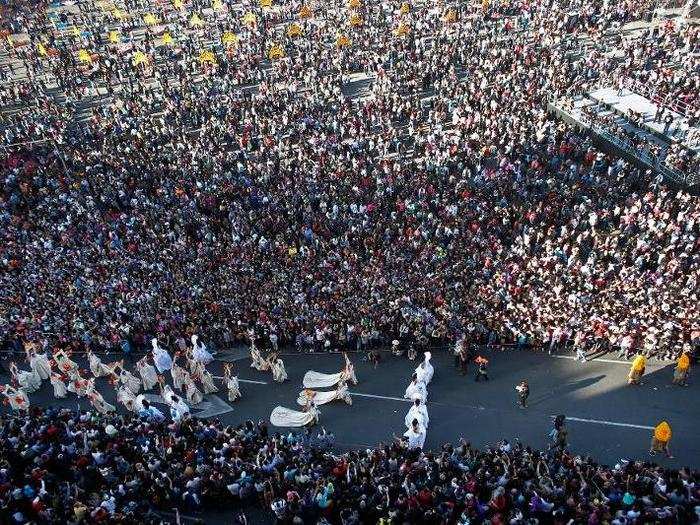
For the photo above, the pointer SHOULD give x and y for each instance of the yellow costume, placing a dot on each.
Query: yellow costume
(680, 374)
(661, 438)
(637, 370)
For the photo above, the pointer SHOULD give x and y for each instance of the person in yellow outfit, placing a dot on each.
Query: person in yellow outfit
(680, 374)
(637, 370)
(660, 439)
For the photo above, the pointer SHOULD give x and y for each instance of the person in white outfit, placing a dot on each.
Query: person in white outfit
(96, 399)
(59, 386)
(418, 411)
(161, 357)
(39, 363)
(231, 382)
(199, 351)
(416, 388)
(97, 368)
(28, 381)
(16, 397)
(279, 374)
(416, 435)
(149, 376)
(425, 370)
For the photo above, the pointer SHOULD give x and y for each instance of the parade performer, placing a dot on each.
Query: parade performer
(279, 374)
(63, 361)
(76, 383)
(231, 382)
(257, 360)
(97, 368)
(199, 351)
(28, 381)
(660, 439)
(161, 357)
(125, 396)
(59, 386)
(193, 394)
(680, 374)
(314, 379)
(417, 411)
(341, 393)
(637, 370)
(285, 417)
(425, 370)
(178, 408)
(97, 400)
(178, 374)
(149, 376)
(16, 397)
(416, 435)
(202, 375)
(416, 388)
(128, 379)
(39, 362)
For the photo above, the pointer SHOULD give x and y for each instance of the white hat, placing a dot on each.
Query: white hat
(110, 430)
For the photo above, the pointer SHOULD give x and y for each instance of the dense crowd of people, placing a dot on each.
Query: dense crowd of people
(219, 193)
(62, 466)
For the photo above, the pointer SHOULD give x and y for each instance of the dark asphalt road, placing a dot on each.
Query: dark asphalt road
(607, 419)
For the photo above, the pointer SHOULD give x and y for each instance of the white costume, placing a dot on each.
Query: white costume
(194, 396)
(97, 368)
(234, 391)
(161, 357)
(199, 351)
(318, 380)
(16, 397)
(416, 389)
(77, 384)
(179, 375)
(178, 409)
(148, 374)
(416, 437)
(425, 370)
(28, 381)
(279, 374)
(129, 380)
(321, 398)
(207, 382)
(285, 417)
(258, 362)
(97, 400)
(40, 364)
(64, 363)
(127, 398)
(59, 387)
(419, 412)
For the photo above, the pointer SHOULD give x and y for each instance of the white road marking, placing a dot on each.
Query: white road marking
(615, 361)
(610, 423)
(373, 396)
(244, 380)
(571, 418)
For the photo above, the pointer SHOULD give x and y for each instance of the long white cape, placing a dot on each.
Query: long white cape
(321, 398)
(285, 417)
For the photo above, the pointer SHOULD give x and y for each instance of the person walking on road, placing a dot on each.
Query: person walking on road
(523, 390)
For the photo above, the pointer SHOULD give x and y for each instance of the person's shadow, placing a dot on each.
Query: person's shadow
(566, 388)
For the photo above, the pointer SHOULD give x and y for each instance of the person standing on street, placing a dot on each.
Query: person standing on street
(523, 390)
(481, 370)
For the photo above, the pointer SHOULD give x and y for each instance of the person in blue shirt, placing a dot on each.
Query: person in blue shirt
(150, 412)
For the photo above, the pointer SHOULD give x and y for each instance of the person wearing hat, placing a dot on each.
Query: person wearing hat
(660, 439)
(680, 374)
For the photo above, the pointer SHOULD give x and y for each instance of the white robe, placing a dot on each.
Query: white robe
(98, 401)
(161, 357)
(285, 417)
(59, 387)
(127, 398)
(132, 382)
(28, 381)
(194, 396)
(40, 364)
(234, 391)
(179, 376)
(207, 382)
(416, 389)
(279, 374)
(321, 398)
(96, 367)
(258, 362)
(16, 397)
(77, 384)
(148, 374)
(425, 370)
(420, 413)
(199, 351)
(416, 439)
